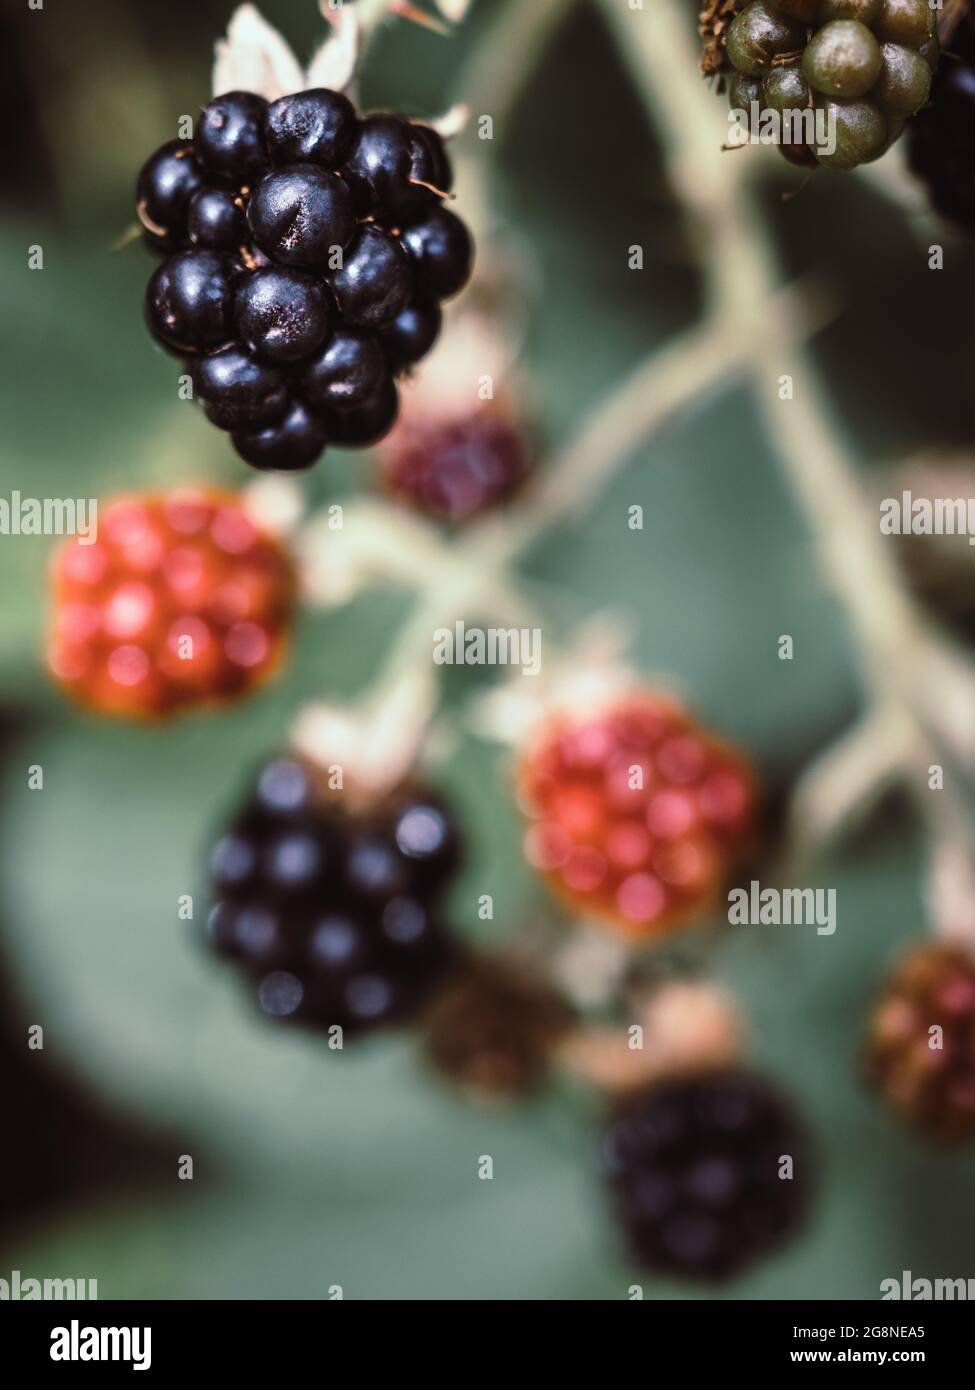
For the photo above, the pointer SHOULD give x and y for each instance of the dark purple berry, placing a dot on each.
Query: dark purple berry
(282, 315)
(380, 164)
(334, 922)
(230, 137)
(362, 425)
(189, 301)
(374, 283)
(313, 127)
(301, 215)
(292, 444)
(215, 220)
(412, 334)
(441, 252)
(699, 1172)
(348, 371)
(167, 182)
(430, 159)
(238, 392)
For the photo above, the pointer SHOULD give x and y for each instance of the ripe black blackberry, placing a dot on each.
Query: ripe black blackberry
(866, 65)
(694, 1165)
(309, 250)
(334, 914)
(941, 145)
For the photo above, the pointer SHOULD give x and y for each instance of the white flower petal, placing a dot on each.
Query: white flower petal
(334, 62)
(255, 58)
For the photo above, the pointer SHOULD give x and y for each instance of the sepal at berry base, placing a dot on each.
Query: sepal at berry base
(184, 600)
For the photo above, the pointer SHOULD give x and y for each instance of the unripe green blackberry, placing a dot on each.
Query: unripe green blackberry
(863, 66)
(758, 36)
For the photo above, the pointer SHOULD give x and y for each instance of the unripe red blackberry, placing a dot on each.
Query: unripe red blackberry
(637, 812)
(921, 1041)
(333, 909)
(707, 1173)
(864, 66)
(181, 601)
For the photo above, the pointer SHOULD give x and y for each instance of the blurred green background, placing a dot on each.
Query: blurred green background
(315, 1168)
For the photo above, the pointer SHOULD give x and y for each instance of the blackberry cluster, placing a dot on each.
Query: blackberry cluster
(334, 914)
(867, 64)
(941, 146)
(307, 252)
(181, 601)
(694, 1166)
(638, 812)
(921, 1042)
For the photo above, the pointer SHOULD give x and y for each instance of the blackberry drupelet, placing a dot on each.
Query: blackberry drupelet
(864, 65)
(308, 251)
(334, 914)
(697, 1173)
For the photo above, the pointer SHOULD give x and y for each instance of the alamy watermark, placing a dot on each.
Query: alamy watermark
(814, 127)
(756, 906)
(912, 1290)
(908, 515)
(21, 1289)
(461, 645)
(49, 516)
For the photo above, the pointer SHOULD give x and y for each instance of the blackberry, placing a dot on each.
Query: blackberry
(921, 1041)
(697, 1174)
(456, 467)
(941, 142)
(334, 914)
(862, 67)
(182, 601)
(637, 812)
(300, 240)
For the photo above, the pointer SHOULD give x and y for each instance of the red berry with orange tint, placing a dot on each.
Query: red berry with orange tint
(180, 600)
(637, 812)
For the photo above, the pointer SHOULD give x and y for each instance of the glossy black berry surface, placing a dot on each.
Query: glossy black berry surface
(334, 915)
(289, 445)
(440, 251)
(308, 252)
(236, 390)
(412, 333)
(374, 284)
(301, 215)
(348, 371)
(313, 127)
(707, 1174)
(215, 220)
(941, 140)
(167, 182)
(189, 299)
(357, 427)
(281, 315)
(230, 137)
